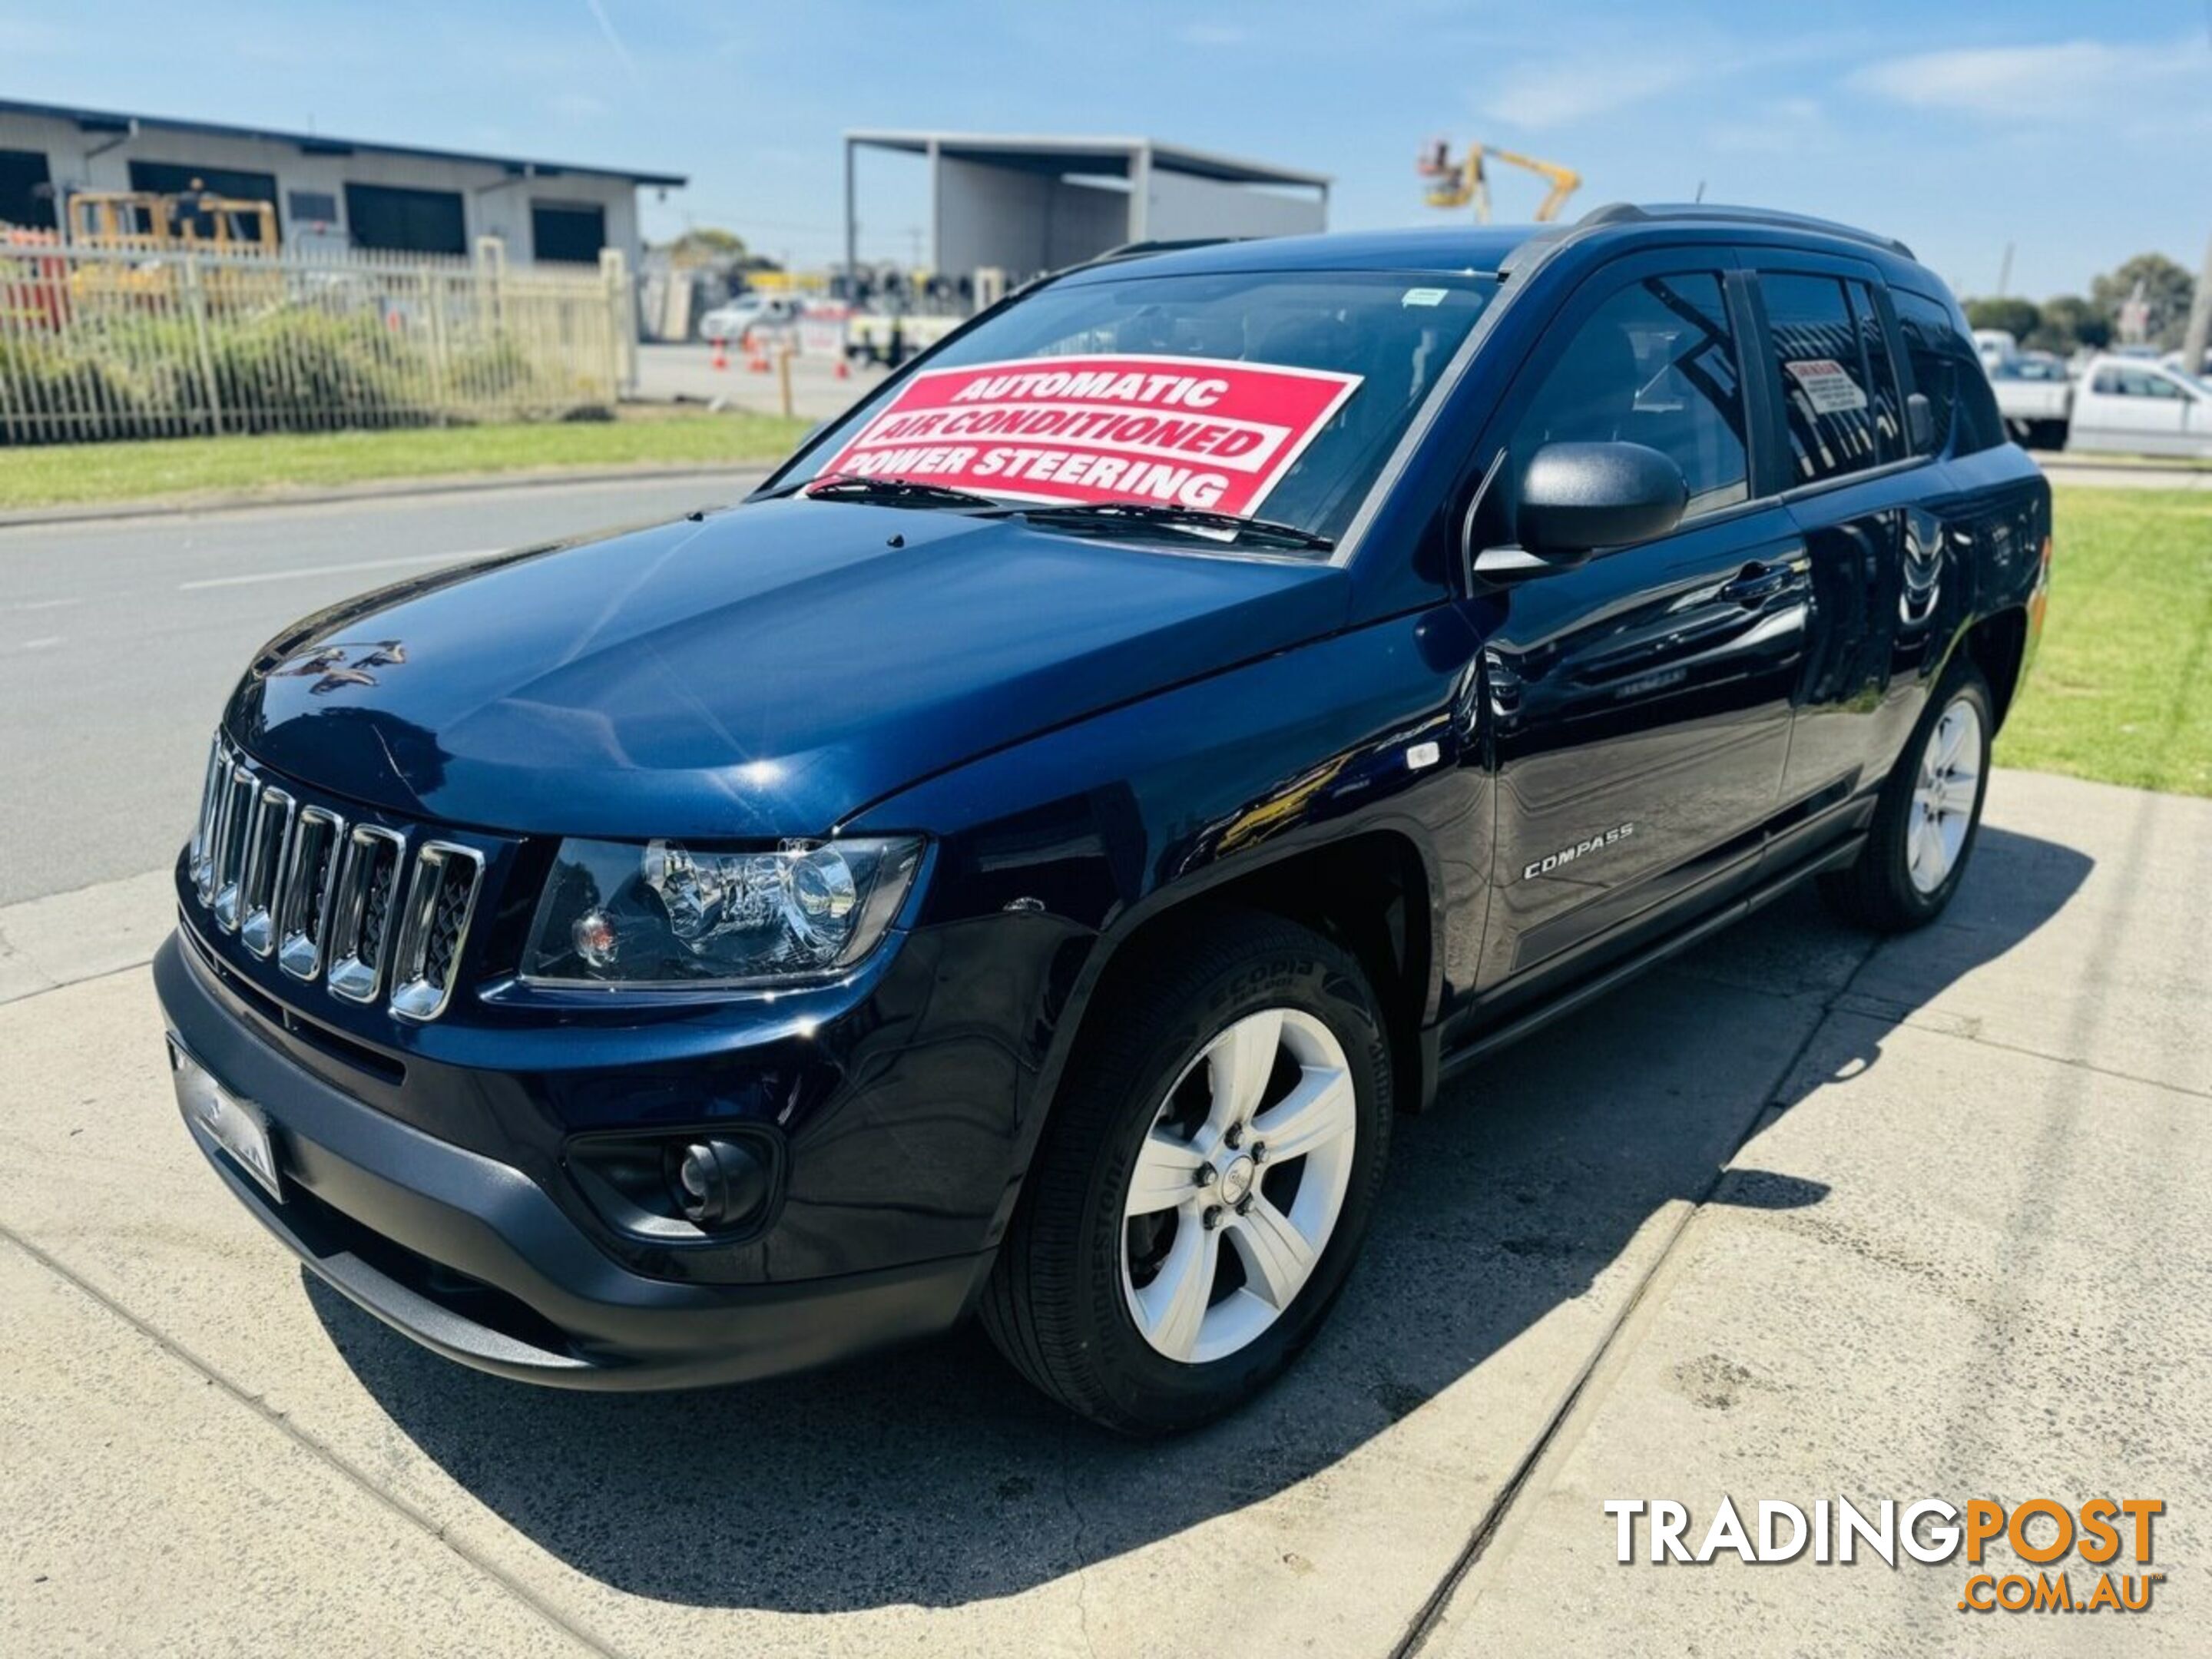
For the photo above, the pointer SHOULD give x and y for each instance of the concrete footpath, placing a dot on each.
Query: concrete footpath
(1800, 1216)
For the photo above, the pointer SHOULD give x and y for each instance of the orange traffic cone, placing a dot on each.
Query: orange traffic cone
(756, 353)
(844, 369)
(721, 357)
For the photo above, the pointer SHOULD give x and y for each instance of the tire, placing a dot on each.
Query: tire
(1898, 882)
(1082, 1299)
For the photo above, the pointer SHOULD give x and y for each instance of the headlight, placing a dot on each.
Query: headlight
(615, 912)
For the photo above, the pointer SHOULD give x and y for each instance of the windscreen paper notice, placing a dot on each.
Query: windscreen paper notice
(1180, 431)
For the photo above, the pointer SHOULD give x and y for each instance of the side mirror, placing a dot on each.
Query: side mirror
(1919, 424)
(1579, 497)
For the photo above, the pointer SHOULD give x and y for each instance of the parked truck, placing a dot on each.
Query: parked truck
(2034, 395)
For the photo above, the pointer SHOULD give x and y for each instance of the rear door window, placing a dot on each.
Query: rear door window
(1825, 386)
(1655, 364)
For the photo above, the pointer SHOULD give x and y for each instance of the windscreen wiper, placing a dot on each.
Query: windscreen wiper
(1076, 515)
(887, 492)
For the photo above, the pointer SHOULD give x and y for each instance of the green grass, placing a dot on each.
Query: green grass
(2122, 688)
(2098, 458)
(65, 473)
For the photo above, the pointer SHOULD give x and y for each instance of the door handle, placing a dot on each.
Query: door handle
(1756, 583)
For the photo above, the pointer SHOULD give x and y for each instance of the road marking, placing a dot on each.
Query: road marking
(337, 569)
(39, 605)
(47, 644)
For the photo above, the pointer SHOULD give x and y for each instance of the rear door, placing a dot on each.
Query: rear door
(1639, 706)
(1854, 487)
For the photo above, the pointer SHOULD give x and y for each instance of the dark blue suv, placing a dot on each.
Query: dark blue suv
(1019, 860)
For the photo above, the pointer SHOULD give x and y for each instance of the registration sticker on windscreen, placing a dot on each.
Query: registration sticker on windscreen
(1180, 431)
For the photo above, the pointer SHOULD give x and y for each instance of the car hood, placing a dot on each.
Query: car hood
(765, 671)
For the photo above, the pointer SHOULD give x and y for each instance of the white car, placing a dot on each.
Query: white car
(2201, 372)
(730, 319)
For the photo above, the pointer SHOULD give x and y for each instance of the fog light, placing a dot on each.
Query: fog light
(719, 1183)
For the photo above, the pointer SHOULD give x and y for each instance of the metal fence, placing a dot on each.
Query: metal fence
(108, 342)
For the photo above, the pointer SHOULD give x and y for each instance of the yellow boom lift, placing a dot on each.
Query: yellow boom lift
(1456, 184)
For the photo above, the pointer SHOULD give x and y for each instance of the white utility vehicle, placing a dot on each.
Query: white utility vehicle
(2119, 405)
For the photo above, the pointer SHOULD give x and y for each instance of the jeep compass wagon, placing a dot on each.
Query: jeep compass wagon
(1019, 860)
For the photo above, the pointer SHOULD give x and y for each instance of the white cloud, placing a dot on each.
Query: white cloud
(1794, 126)
(1540, 93)
(2036, 82)
(1560, 93)
(1211, 34)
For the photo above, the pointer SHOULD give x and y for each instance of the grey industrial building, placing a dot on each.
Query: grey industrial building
(346, 193)
(1022, 205)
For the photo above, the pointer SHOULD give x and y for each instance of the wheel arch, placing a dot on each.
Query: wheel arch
(1997, 645)
(1374, 892)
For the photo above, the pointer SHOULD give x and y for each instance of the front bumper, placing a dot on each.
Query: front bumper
(473, 1258)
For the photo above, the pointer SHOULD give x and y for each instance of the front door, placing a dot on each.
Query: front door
(1639, 706)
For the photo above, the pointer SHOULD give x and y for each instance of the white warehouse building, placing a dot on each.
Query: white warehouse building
(341, 192)
(1022, 205)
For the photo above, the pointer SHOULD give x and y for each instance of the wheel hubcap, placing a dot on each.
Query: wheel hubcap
(1238, 1185)
(1237, 1180)
(1944, 797)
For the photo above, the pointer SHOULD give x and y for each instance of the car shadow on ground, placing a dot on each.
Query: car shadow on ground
(933, 1475)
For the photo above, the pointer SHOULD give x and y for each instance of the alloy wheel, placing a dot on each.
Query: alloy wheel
(1238, 1186)
(1944, 796)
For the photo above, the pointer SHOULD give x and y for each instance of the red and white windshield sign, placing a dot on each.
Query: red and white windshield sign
(1181, 431)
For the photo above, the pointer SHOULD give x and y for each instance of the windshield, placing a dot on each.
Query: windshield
(1274, 395)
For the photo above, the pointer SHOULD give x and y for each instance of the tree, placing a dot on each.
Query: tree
(2068, 323)
(2167, 288)
(706, 245)
(2017, 317)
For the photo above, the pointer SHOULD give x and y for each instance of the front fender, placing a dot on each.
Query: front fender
(1072, 844)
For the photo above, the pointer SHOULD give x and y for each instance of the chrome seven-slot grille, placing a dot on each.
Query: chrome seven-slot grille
(342, 903)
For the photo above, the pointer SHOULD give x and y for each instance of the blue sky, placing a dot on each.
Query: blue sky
(2083, 133)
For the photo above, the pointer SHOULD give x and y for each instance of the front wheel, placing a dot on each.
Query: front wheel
(1929, 816)
(1205, 1180)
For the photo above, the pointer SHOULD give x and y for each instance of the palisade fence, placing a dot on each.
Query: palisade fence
(101, 343)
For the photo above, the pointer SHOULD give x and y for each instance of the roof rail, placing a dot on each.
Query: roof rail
(1618, 213)
(1116, 255)
(1143, 250)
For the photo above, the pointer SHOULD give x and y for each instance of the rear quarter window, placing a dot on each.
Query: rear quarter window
(1947, 371)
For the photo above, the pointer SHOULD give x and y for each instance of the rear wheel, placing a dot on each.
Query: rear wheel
(1929, 816)
(1205, 1182)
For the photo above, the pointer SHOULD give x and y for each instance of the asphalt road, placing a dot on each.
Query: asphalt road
(688, 371)
(120, 638)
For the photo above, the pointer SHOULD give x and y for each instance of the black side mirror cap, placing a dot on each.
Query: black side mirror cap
(1919, 424)
(1577, 497)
